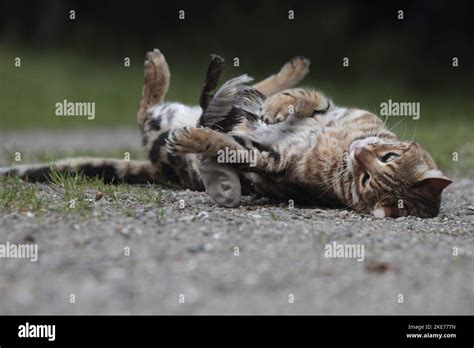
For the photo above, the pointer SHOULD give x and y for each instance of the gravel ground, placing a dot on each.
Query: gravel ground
(191, 252)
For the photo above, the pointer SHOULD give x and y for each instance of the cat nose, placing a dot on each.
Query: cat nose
(361, 155)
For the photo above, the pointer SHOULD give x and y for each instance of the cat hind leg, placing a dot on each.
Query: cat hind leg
(156, 84)
(289, 75)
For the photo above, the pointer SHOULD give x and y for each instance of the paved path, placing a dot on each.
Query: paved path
(191, 252)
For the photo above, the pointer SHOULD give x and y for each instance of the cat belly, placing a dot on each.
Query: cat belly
(175, 115)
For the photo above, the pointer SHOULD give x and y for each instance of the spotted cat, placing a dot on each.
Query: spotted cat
(307, 148)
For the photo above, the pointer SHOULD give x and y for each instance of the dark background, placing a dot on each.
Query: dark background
(419, 48)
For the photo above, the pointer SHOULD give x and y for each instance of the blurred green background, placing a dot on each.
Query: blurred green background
(408, 60)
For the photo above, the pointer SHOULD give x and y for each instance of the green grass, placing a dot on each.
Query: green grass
(16, 196)
(28, 95)
(79, 195)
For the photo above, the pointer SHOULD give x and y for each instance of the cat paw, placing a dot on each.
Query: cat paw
(278, 108)
(153, 61)
(185, 140)
(294, 71)
(156, 68)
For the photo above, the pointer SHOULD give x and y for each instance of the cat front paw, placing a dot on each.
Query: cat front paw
(178, 141)
(278, 108)
(186, 140)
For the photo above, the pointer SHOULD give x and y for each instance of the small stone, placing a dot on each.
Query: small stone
(125, 231)
(203, 215)
(379, 267)
(98, 195)
(196, 249)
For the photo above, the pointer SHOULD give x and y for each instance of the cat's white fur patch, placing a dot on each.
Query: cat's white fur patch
(183, 115)
(433, 173)
(379, 213)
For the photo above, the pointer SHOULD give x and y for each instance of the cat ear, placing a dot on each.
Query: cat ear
(383, 211)
(433, 182)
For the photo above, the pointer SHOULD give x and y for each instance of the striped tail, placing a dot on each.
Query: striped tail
(109, 170)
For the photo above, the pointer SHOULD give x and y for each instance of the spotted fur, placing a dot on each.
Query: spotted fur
(307, 148)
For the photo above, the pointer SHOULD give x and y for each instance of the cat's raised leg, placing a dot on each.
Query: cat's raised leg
(290, 74)
(155, 86)
(208, 142)
(298, 102)
(203, 141)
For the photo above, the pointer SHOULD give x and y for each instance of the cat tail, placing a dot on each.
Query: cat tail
(233, 103)
(109, 170)
(221, 112)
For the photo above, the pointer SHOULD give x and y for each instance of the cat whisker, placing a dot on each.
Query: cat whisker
(336, 180)
(404, 131)
(396, 124)
(414, 132)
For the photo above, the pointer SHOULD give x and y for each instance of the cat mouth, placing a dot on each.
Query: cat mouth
(350, 161)
(355, 143)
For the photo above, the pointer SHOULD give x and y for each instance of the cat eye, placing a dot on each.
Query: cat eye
(388, 157)
(365, 179)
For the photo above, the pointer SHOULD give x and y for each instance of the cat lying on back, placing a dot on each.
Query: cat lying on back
(306, 148)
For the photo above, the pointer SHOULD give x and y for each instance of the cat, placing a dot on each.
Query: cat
(306, 148)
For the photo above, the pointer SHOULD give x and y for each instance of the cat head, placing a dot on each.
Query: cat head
(392, 179)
